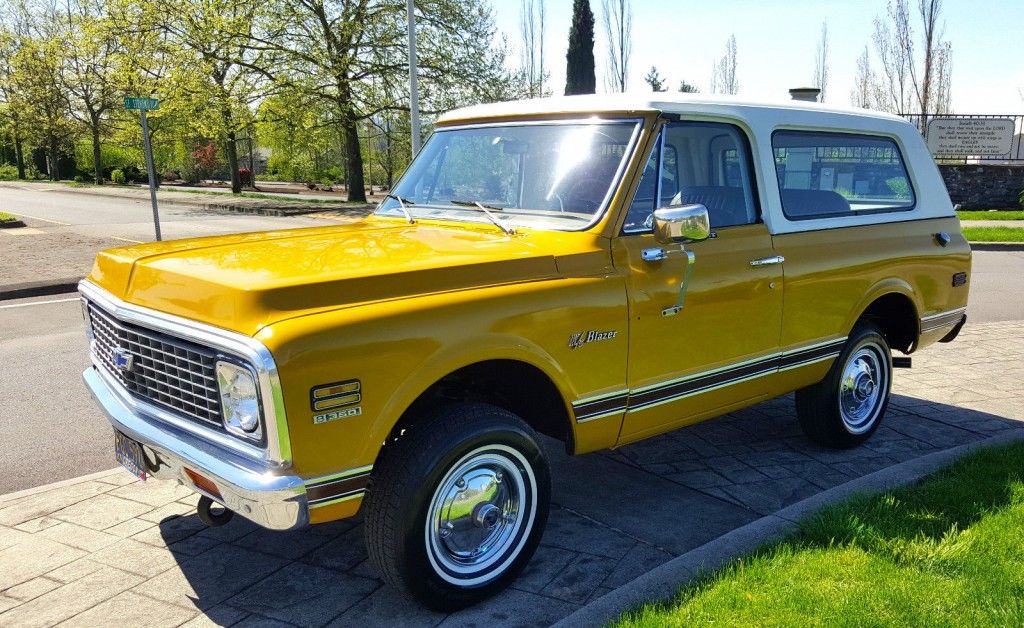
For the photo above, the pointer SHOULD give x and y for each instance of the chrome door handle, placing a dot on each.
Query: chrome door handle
(767, 261)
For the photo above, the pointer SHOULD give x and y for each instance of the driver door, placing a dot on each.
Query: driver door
(718, 351)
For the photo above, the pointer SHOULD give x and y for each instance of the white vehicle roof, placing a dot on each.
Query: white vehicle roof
(760, 120)
(655, 101)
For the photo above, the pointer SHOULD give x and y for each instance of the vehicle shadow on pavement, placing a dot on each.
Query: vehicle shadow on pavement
(615, 515)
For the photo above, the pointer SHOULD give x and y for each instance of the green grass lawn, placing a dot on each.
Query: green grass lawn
(994, 234)
(984, 214)
(947, 552)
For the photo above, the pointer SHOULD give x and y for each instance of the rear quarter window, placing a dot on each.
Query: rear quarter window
(835, 175)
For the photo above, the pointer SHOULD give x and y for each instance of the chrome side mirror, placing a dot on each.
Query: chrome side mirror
(681, 223)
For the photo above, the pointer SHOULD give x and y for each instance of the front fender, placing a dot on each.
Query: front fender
(398, 349)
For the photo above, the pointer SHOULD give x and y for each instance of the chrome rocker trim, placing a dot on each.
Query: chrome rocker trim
(247, 487)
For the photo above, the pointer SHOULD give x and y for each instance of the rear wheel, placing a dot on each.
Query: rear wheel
(846, 407)
(456, 507)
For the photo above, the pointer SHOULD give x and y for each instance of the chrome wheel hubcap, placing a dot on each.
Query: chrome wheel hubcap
(862, 388)
(480, 515)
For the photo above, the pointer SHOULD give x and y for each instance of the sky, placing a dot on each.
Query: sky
(777, 40)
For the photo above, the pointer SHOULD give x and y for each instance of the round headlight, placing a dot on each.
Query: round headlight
(239, 400)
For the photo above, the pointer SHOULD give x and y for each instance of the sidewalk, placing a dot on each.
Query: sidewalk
(107, 546)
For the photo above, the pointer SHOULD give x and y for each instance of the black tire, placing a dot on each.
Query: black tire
(409, 482)
(824, 417)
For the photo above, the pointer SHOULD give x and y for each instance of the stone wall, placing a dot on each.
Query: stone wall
(976, 186)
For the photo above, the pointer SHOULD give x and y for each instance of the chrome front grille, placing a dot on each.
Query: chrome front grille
(176, 374)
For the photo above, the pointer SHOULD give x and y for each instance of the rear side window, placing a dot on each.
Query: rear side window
(834, 175)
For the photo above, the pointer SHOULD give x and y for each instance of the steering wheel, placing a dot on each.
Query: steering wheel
(581, 197)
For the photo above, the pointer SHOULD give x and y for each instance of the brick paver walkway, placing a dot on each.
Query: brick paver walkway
(107, 550)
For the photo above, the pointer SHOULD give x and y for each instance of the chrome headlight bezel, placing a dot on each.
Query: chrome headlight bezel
(240, 408)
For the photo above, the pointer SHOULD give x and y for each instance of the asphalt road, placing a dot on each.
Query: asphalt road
(51, 430)
(128, 219)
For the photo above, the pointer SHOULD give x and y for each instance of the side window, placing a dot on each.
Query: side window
(833, 175)
(697, 162)
(640, 210)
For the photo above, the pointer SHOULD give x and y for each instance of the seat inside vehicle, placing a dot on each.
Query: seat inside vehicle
(801, 203)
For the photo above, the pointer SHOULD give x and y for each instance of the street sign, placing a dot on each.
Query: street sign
(142, 104)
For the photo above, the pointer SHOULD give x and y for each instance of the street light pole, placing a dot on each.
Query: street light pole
(414, 96)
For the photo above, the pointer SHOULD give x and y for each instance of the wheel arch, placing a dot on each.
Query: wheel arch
(491, 375)
(893, 306)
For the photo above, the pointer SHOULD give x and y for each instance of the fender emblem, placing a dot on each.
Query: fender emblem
(581, 338)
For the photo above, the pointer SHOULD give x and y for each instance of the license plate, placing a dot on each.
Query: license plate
(129, 455)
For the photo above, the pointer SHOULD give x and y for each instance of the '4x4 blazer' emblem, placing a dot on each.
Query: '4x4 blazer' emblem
(579, 339)
(123, 359)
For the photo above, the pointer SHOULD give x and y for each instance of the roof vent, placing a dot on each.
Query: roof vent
(807, 94)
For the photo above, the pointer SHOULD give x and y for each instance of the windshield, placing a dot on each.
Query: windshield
(541, 175)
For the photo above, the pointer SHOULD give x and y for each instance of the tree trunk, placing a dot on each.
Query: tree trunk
(97, 158)
(356, 189)
(19, 156)
(231, 148)
(54, 162)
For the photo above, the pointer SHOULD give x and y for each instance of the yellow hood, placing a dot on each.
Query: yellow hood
(244, 282)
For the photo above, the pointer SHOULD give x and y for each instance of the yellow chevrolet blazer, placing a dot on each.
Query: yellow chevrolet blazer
(595, 269)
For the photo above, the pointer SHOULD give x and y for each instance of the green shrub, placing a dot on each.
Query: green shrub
(78, 179)
(8, 172)
(117, 176)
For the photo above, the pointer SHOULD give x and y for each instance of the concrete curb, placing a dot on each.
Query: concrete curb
(997, 246)
(664, 581)
(39, 288)
(29, 492)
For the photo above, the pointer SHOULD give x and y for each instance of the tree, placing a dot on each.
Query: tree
(655, 80)
(221, 68)
(531, 27)
(723, 78)
(92, 75)
(862, 94)
(821, 63)
(907, 83)
(351, 56)
(36, 91)
(687, 88)
(12, 117)
(579, 59)
(617, 17)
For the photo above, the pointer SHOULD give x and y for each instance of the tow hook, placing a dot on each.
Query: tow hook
(211, 517)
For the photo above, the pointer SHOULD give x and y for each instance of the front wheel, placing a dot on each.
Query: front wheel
(844, 409)
(456, 507)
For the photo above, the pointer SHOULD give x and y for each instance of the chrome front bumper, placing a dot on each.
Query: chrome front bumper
(246, 486)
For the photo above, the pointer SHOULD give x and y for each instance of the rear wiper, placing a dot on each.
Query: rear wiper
(486, 209)
(402, 202)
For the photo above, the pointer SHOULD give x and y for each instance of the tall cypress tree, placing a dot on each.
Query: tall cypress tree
(579, 67)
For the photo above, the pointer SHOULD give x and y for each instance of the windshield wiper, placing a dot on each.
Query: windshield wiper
(402, 202)
(486, 209)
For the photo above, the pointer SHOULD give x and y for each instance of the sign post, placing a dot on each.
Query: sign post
(144, 105)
